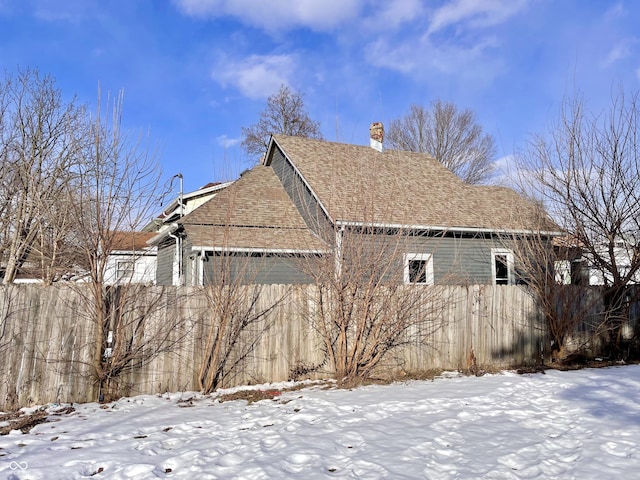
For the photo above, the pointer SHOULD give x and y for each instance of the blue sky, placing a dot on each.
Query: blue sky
(195, 71)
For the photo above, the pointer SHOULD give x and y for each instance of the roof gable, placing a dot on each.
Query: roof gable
(253, 212)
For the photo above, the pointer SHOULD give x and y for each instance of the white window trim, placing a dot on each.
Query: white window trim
(127, 273)
(428, 267)
(510, 264)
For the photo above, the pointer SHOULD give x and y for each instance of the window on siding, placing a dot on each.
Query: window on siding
(502, 266)
(124, 270)
(418, 268)
(570, 272)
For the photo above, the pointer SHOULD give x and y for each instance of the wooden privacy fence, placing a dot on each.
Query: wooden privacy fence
(48, 339)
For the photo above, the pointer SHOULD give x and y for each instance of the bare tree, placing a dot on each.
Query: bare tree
(285, 114)
(451, 136)
(40, 143)
(238, 317)
(114, 187)
(370, 298)
(552, 268)
(113, 190)
(361, 306)
(238, 310)
(587, 172)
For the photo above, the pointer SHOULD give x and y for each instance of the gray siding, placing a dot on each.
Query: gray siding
(460, 260)
(301, 196)
(164, 270)
(253, 268)
(457, 259)
(190, 260)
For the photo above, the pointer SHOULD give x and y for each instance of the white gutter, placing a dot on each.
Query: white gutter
(163, 233)
(201, 268)
(338, 251)
(256, 250)
(177, 279)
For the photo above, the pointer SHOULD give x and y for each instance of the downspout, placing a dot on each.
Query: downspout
(178, 240)
(338, 251)
(201, 268)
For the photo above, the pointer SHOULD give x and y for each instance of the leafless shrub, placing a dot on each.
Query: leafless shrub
(361, 307)
(586, 171)
(238, 313)
(238, 318)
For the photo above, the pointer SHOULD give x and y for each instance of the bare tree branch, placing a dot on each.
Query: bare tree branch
(451, 136)
(40, 143)
(586, 170)
(285, 114)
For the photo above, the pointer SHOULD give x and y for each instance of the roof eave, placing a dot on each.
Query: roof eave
(162, 234)
(436, 228)
(201, 248)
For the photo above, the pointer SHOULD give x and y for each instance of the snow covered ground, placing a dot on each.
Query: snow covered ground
(581, 424)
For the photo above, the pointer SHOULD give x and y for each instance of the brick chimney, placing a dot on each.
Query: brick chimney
(376, 134)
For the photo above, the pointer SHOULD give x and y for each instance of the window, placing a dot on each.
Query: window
(502, 266)
(418, 268)
(124, 270)
(570, 272)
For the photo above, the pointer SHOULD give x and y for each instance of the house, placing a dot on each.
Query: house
(623, 256)
(185, 204)
(308, 196)
(131, 259)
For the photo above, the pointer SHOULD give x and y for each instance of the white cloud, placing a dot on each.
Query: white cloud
(464, 63)
(225, 141)
(467, 55)
(474, 13)
(620, 51)
(275, 15)
(616, 11)
(257, 76)
(506, 170)
(394, 13)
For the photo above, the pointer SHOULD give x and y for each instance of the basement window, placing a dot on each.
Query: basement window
(502, 266)
(418, 268)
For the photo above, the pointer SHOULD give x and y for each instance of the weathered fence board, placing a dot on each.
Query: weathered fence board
(47, 339)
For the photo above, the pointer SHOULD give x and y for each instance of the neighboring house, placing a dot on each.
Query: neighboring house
(570, 266)
(189, 202)
(623, 253)
(579, 268)
(131, 259)
(307, 194)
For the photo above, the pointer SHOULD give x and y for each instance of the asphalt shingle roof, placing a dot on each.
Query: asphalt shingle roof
(359, 184)
(253, 212)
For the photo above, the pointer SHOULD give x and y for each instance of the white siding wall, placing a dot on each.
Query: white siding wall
(144, 267)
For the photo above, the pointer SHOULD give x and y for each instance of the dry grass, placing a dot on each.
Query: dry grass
(270, 393)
